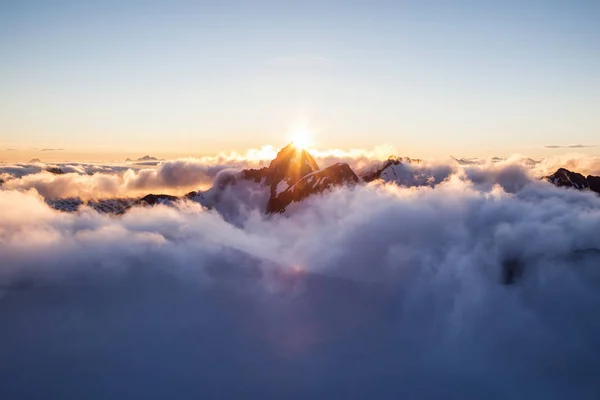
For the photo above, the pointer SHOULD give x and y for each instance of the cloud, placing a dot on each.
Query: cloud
(572, 146)
(358, 159)
(178, 177)
(379, 289)
(52, 149)
(90, 181)
(587, 165)
(93, 181)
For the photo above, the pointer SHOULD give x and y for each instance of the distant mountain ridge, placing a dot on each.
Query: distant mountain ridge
(141, 159)
(103, 206)
(294, 175)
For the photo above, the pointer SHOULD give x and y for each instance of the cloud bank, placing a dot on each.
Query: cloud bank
(373, 291)
(178, 177)
(109, 181)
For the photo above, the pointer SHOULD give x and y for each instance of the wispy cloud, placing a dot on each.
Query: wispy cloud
(570, 146)
(52, 149)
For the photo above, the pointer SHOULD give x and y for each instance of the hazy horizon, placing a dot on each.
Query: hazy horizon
(12, 155)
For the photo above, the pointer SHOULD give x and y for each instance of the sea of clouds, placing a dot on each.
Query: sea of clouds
(94, 181)
(372, 291)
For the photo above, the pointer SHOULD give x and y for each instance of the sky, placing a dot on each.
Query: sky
(429, 78)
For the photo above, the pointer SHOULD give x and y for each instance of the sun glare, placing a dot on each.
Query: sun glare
(302, 138)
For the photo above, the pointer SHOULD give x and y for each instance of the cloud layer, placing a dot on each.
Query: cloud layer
(377, 290)
(109, 181)
(571, 146)
(178, 177)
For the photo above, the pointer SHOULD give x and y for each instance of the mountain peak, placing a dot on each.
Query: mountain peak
(315, 182)
(290, 165)
(565, 178)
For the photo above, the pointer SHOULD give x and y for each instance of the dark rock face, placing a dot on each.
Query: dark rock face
(290, 165)
(316, 182)
(565, 178)
(379, 172)
(104, 206)
(55, 171)
(151, 200)
(294, 175)
(376, 173)
(594, 182)
(255, 175)
(288, 168)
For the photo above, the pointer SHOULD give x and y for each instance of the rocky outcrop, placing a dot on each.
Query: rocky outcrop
(151, 200)
(104, 206)
(313, 183)
(385, 170)
(594, 182)
(290, 165)
(565, 178)
(294, 175)
(376, 172)
(55, 170)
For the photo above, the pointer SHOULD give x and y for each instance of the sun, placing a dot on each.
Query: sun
(302, 138)
(301, 142)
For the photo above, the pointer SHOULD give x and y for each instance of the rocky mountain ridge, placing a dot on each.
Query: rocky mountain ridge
(565, 178)
(291, 177)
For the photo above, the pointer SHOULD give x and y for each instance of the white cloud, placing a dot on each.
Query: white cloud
(374, 289)
(106, 181)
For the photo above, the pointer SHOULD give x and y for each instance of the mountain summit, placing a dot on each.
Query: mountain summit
(290, 165)
(565, 178)
(294, 175)
(315, 182)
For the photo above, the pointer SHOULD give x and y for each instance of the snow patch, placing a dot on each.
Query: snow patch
(281, 187)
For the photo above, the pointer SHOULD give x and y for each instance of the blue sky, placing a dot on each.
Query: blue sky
(427, 77)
